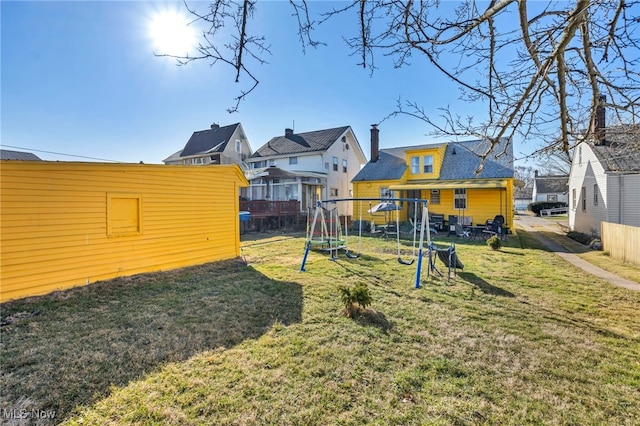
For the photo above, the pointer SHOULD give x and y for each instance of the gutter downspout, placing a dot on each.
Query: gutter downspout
(621, 194)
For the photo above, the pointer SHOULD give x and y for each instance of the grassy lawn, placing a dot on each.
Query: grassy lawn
(519, 337)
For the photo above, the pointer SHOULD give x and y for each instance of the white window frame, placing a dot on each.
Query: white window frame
(428, 164)
(460, 197)
(415, 165)
(238, 145)
(293, 160)
(595, 194)
(335, 164)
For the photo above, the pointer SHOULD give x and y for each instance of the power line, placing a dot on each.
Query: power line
(60, 153)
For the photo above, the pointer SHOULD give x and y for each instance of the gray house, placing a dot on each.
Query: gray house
(6, 154)
(217, 145)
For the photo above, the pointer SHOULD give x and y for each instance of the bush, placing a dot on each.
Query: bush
(354, 298)
(542, 205)
(494, 242)
(579, 237)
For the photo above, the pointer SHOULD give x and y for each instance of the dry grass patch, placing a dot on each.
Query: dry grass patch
(519, 337)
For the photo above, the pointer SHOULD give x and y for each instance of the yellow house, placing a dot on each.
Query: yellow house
(446, 175)
(65, 224)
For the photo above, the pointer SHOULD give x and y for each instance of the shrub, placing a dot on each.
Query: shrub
(579, 237)
(354, 298)
(542, 205)
(494, 242)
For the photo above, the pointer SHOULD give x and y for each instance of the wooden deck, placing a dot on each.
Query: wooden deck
(267, 214)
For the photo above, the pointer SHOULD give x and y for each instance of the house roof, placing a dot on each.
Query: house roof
(552, 184)
(462, 159)
(460, 162)
(297, 143)
(523, 193)
(6, 154)
(621, 150)
(210, 140)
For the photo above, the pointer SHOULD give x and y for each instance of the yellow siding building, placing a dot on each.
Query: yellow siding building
(65, 224)
(446, 174)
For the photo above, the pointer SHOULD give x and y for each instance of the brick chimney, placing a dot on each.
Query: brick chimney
(375, 143)
(288, 132)
(600, 123)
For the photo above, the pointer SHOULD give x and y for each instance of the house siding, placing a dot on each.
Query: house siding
(59, 229)
(483, 204)
(616, 204)
(624, 193)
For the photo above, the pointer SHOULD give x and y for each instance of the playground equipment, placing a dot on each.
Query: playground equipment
(329, 235)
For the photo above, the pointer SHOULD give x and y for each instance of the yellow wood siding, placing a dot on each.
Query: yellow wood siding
(438, 157)
(67, 224)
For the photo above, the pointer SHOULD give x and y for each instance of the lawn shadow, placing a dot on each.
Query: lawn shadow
(551, 241)
(484, 286)
(88, 339)
(372, 318)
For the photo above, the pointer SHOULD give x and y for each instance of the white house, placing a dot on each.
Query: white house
(217, 145)
(317, 165)
(604, 182)
(550, 188)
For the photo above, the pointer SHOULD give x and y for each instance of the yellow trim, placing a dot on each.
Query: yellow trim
(451, 184)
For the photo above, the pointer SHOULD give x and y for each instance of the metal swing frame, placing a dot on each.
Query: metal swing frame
(424, 225)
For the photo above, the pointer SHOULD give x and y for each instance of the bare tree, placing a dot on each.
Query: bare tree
(538, 67)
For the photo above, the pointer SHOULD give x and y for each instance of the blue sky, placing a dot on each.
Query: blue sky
(81, 78)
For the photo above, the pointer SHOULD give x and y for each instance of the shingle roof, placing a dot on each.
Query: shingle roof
(523, 193)
(552, 184)
(6, 154)
(210, 140)
(621, 153)
(389, 166)
(319, 140)
(461, 160)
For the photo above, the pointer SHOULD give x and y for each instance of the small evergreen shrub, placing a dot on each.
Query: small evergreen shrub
(494, 242)
(355, 298)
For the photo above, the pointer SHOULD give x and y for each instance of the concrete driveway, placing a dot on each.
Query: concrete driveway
(551, 232)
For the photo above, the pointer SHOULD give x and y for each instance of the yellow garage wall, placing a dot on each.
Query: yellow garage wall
(65, 224)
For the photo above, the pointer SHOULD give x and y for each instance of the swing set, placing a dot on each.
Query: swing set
(325, 233)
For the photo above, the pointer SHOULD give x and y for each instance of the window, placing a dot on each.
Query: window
(415, 165)
(552, 198)
(333, 192)
(584, 199)
(344, 166)
(272, 162)
(574, 200)
(435, 196)
(326, 165)
(238, 145)
(335, 164)
(580, 155)
(428, 164)
(124, 214)
(385, 193)
(293, 160)
(595, 194)
(460, 198)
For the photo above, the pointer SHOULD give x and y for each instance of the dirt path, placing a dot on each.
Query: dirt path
(551, 233)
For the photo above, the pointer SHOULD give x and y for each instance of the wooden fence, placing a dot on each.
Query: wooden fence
(621, 241)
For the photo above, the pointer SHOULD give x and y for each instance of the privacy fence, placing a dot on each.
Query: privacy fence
(621, 241)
